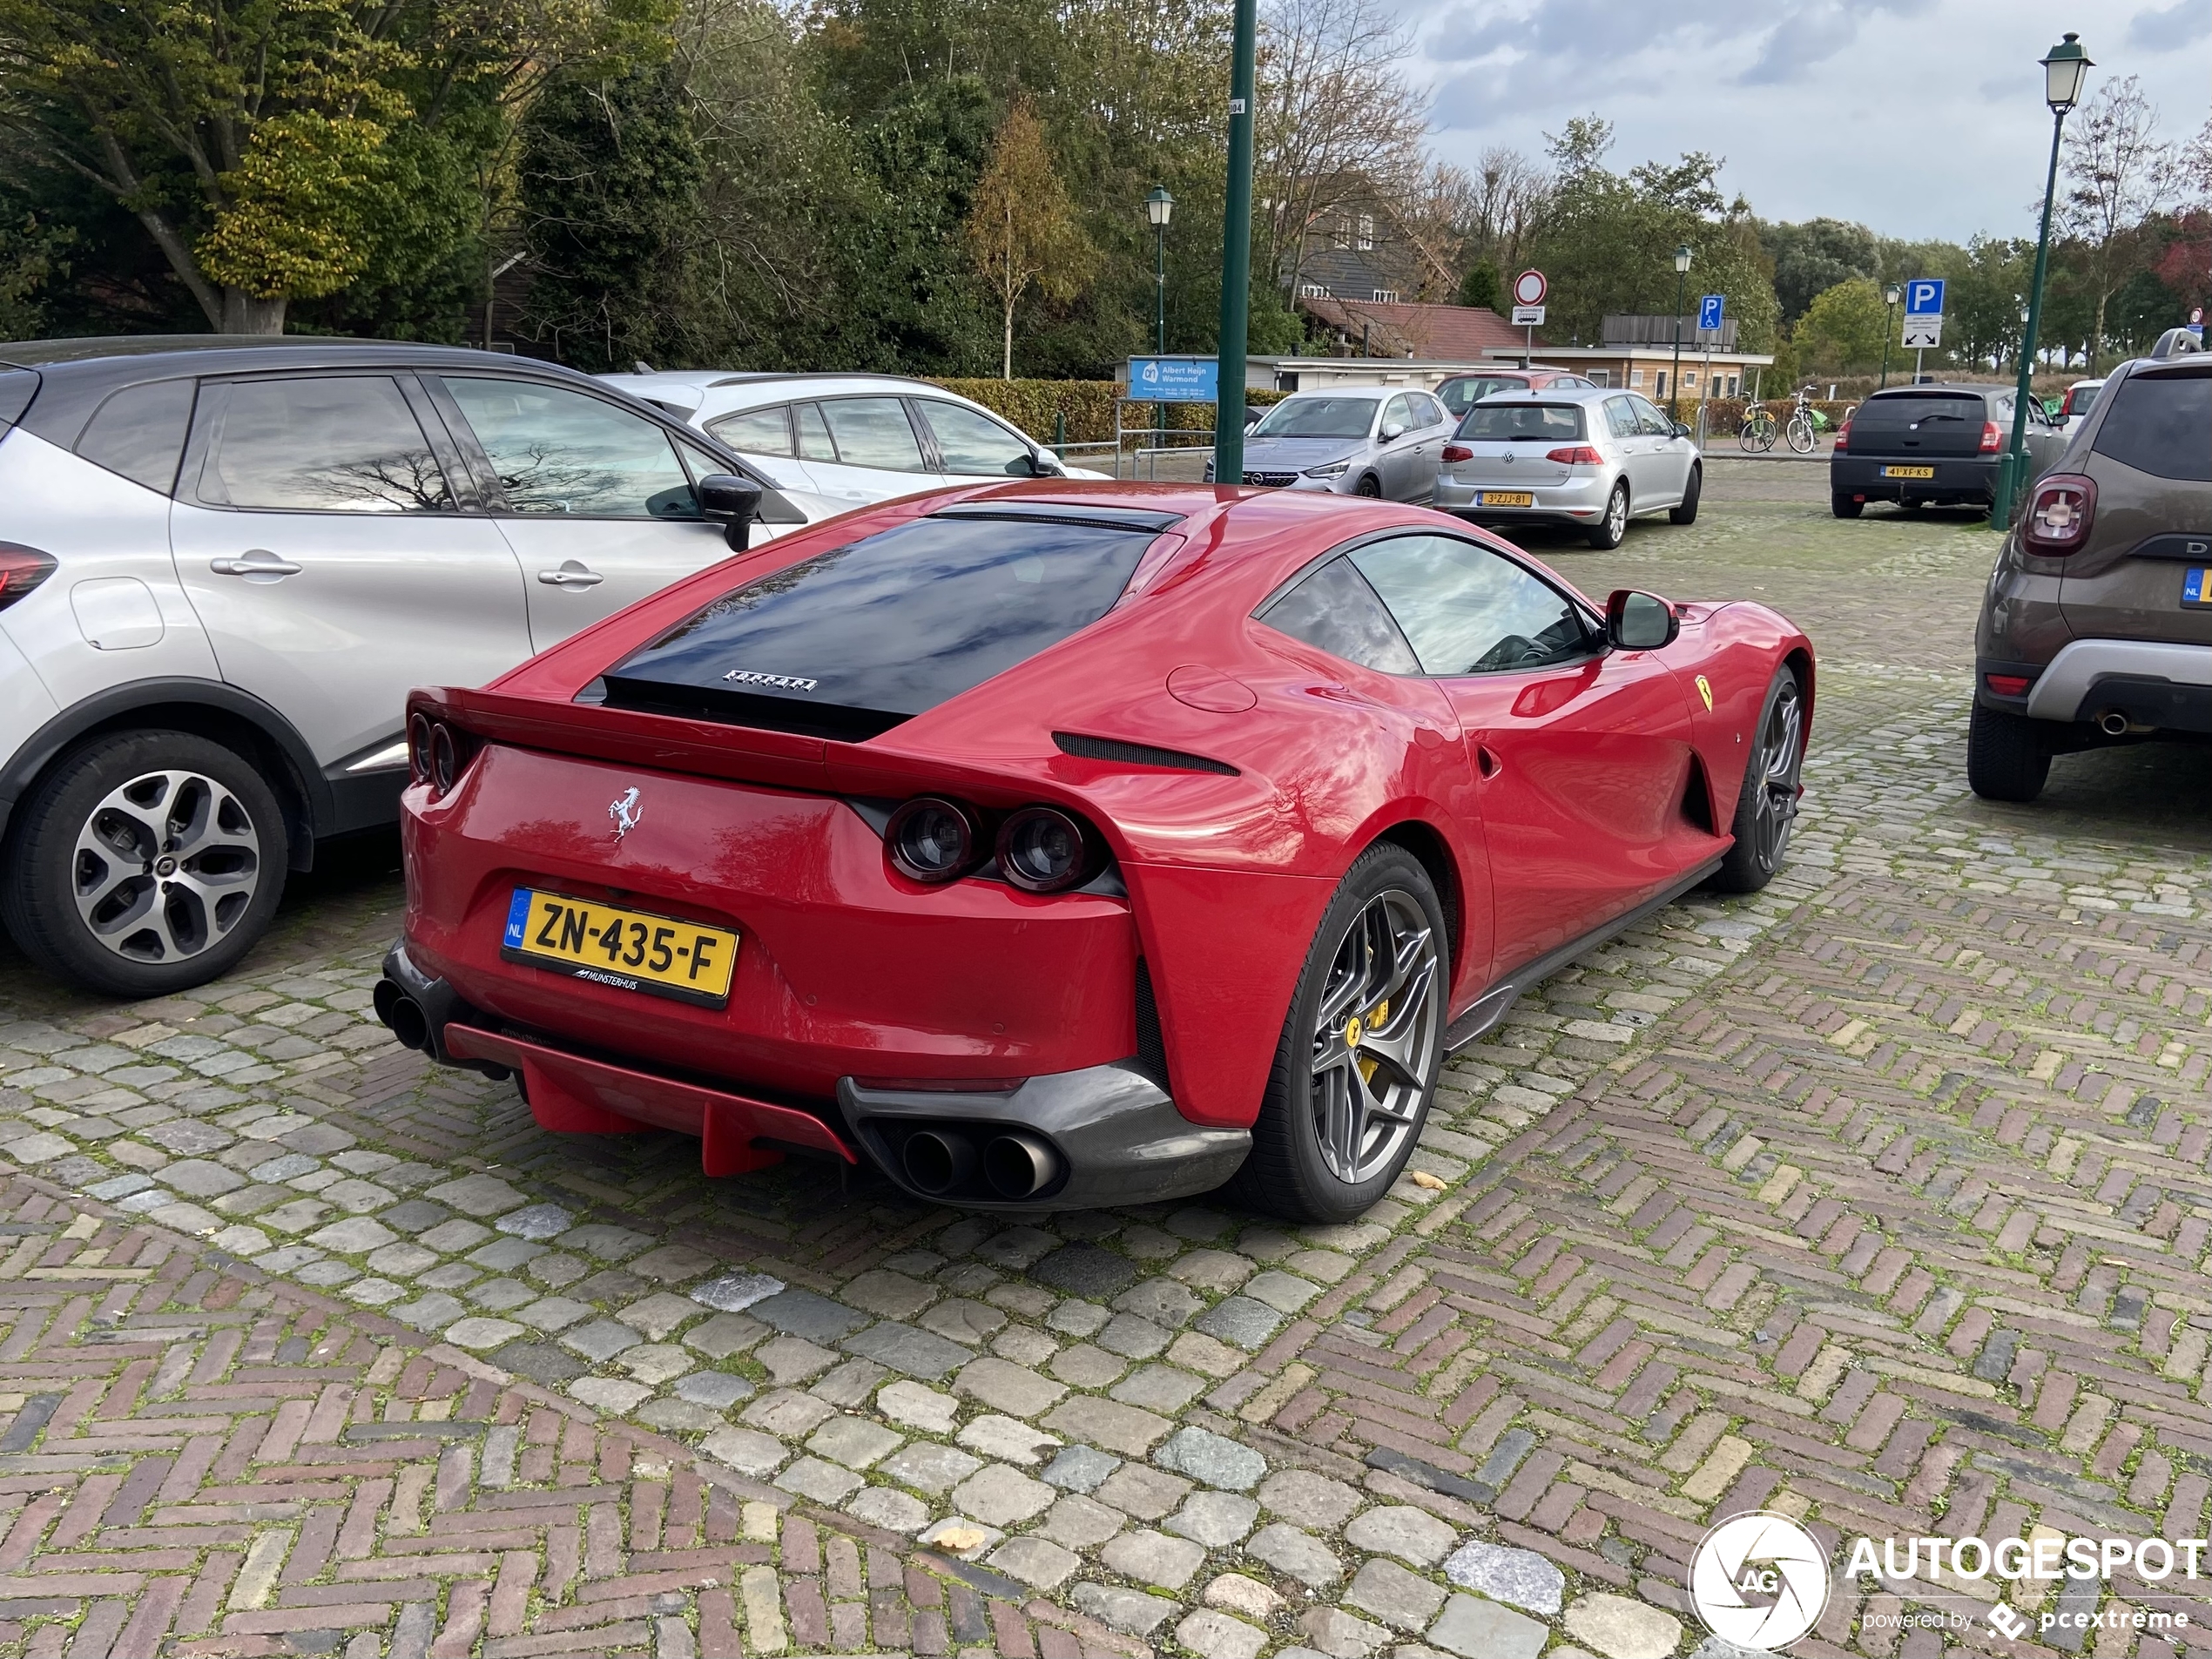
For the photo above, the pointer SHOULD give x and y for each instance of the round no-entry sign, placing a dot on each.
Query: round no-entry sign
(1529, 288)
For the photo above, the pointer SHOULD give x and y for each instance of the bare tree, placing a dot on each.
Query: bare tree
(1510, 191)
(1336, 122)
(2118, 172)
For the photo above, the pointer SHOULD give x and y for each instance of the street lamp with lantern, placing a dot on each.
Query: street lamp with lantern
(1892, 293)
(1159, 207)
(2066, 66)
(1674, 384)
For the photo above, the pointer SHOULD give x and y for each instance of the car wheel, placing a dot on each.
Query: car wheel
(1767, 804)
(144, 863)
(1844, 506)
(1360, 1052)
(1606, 533)
(1369, 486)
(1685, 511)
(2008, 756)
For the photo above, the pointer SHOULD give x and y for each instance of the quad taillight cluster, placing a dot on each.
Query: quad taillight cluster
(1039, 849)
(437, 753)
(2060, 512)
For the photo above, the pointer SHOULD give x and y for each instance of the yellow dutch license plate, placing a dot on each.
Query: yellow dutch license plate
(1908, 472)
(631, 950)
(1507, 498)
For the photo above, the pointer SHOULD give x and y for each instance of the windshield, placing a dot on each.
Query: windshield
(1457, 394)
(1318, 417)
(1514, 423)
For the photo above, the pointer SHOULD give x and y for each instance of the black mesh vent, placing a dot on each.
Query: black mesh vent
(1151, 1049)
(1138, 754)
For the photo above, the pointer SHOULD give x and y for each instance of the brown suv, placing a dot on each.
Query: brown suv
(2096, 628)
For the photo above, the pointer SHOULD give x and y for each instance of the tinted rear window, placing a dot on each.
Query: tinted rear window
(2161, 424)
(1335, 610)
(139, 432)
(1896, 413)
(1549, 422)
(850, 643)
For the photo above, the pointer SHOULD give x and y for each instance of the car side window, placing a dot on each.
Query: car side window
(1457, 394)
(556, 451)
(756, 432)
(139, 432)
(1334, 609)
(814, 440)
(340, 443)
(874, 432)
(1398, 411)
(1469, 610)
(974, 444)
(1621, 418)
(1426, 410)
(1652, 422)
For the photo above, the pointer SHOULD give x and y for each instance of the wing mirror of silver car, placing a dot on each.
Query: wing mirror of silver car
(1684, 429)
(1640, 620)
(733, 503)
(1391, 432)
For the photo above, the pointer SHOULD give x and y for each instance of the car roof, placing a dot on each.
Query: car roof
(1947, 388)
(1348, 391)
(1555, 394)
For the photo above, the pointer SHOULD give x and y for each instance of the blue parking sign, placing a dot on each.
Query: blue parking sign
(1923, 297)
(1708, 312)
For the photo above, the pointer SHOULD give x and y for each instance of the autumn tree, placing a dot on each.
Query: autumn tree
(2118, 174)
(1022, 228)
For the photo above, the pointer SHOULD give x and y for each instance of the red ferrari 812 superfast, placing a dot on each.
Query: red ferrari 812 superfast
(1050, 846)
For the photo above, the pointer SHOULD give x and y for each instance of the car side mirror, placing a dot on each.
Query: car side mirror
(1043, 465)
(1391, 432)
(733, 503)
(1638, 621)
(1684, 429)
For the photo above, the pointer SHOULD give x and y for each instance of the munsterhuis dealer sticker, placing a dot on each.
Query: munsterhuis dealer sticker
(1762, 1581)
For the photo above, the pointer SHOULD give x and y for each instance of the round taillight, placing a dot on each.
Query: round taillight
(418, 747)
(930, 839)
(445, 758)
(1041, 849)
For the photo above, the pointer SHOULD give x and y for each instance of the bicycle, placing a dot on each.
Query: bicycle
(1758, 432)
(1801, 429)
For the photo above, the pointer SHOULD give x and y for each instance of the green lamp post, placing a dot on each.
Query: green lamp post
(1891, 293)
(1236, 252)
(2066, 66)
(1674, 381)
(1159, 207)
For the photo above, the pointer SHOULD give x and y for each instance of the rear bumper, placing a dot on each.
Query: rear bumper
(1957, 478)
(1100, 1135)
(1582, 497)
(2155, 685)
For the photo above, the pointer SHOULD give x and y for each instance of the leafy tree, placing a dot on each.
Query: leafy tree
(1843, 328)
(609, 180)
(1482, 285)
(1021, 229)
(2117, 174)
(1814, 256)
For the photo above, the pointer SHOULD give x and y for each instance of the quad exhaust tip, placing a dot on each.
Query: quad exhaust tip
(1014, 1165)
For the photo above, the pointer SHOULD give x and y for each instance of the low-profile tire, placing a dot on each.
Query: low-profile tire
(1685, 510)
(1767, 804)
(1844, 506)
(1369, 486)
(144, 862)
(1606, 533)
(2008, 756)
(1348, 1093)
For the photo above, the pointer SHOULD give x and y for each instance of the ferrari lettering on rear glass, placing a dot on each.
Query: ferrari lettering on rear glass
(781, 682)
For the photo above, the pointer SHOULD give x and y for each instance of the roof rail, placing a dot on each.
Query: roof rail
(2177, 342)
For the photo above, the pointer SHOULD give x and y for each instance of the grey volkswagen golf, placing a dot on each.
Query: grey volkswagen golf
(1593, 459)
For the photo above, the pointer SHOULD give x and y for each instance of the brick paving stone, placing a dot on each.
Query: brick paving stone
(1880, 1198)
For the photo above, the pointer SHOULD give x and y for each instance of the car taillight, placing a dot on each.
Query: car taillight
(2060, 513)
(930, 839)
(1042, 849)
(22, 569)
(1843, 435)
(1576, 454)
(1458, 452)
(2007, 684)
(418, 748)
(437, 755)
(1992, 440)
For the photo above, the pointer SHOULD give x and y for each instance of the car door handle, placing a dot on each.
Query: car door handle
(257, 561)
(572, 573)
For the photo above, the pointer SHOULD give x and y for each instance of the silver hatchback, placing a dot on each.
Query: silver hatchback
(1592, 458)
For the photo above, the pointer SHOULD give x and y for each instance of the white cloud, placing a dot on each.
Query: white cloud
(1919, 117)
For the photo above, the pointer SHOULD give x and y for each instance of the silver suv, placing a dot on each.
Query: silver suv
(225, 561)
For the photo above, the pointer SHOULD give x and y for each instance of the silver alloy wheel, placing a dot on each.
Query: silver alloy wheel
(1616, 514)
(165, 866)
(1773, 809)
(1375, 1036)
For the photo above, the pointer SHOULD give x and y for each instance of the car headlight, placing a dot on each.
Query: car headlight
(1334, 469)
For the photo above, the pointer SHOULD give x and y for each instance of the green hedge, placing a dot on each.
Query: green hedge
(1087, 407)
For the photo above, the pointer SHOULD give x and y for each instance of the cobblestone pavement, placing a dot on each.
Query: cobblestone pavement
(1879, 1198)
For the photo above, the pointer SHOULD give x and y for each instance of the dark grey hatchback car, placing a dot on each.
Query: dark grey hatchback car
(1933, 445)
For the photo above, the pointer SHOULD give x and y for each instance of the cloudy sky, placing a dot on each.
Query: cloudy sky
(1919, 117)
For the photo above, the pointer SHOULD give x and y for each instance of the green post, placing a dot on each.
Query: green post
(1236, 254)
(1059, 432)
(2064, 67)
